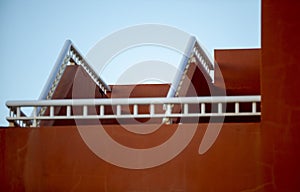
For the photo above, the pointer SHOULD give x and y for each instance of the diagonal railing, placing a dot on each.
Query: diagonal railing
(193, 53)
(68, 55)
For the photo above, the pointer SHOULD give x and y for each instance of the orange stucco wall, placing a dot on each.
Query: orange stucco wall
(280, 82)
(240, 69)
(56, 158)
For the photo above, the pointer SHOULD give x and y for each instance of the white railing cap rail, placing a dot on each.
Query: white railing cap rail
(132, 101)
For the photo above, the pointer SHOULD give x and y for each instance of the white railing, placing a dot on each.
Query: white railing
(204, 60)
(194, 53)
(79, 60)
(178, 107)
(68, 55)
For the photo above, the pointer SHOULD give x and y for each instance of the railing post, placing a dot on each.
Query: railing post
(68, 111)
(202, 108)
(219, 108)
(10, 112)
(18, 112)
(152, 109)
(101, 110)
(51, 111)
(167, 119)
(186, 108)
(236, 107)
(253, 107)
(169, 109)
(85, 110)
(34, 123)
(135, 109)
(118, 110)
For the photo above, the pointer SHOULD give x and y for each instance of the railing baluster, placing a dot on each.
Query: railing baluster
(236, 107)
(135, 109)
(18, 112)
(51, 111)
(169, 109)
(118, 110)
(202, 108)
(253, 107)
(68, 111)
(152, 109)
(186, 108)
(101, 110)
(85, 110)
(34, 123)
(10, 114)
(219, 108)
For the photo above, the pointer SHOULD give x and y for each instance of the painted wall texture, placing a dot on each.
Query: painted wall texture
(280, 95)
(57, 159)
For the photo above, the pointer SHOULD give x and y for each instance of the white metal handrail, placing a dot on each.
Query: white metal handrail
(80, 60)
(194, 54)
(16, 114)
(68, 53)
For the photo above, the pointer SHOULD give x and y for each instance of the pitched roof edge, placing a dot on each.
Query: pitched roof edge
(67, 53)
(193, 52)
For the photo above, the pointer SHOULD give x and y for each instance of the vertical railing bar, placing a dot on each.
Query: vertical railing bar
(135, 109)
(202, 108)
(34, 117)
(68, 111)
(101, 110)
(152, 109)
(219, 108)
(85, 111)
(118, 110)
(253, 107)
(18, 111)
(169, 109)
(237, 107)
(186, 108)
(51, 111)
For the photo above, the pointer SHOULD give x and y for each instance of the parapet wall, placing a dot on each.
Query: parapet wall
(56, 158)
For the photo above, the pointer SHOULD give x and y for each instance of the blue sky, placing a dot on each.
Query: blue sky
(33, 32)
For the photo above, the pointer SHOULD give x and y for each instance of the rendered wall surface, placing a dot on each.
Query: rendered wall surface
(57, 159)
(240, 69)
(280, 94)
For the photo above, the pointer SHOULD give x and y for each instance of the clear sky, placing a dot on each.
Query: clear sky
(33, 32)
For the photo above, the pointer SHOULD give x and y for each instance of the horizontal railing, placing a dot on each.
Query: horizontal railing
(178, 107)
